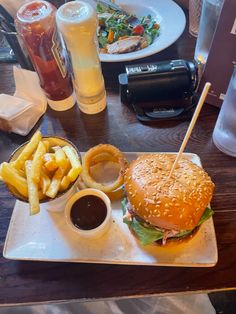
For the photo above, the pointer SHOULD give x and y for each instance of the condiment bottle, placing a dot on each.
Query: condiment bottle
(36, 25)
(77, 22)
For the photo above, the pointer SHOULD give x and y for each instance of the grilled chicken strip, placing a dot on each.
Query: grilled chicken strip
(128, 44)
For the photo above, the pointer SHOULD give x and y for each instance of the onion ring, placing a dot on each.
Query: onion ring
(100, 153)
(102, 157)
(117, 194)
(113, 195)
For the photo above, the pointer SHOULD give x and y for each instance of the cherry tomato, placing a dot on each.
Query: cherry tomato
(138, 30)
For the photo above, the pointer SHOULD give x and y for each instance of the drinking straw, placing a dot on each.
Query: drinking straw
(191, 125)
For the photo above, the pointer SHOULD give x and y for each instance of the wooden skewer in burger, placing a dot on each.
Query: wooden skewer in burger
(167, 196)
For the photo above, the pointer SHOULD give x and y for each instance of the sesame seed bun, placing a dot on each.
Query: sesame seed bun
(176, 203)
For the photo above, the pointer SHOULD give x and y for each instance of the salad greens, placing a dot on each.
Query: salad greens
(113, 26)
(148, 234)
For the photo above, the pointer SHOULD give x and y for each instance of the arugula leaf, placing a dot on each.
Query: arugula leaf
(123, 205)
(148, 38)
(102, 41)
(151, 24)
(206, 215)
(183, 233)
(101, 8)
(147, 235)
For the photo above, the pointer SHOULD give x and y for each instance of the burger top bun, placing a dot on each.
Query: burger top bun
(176, 203)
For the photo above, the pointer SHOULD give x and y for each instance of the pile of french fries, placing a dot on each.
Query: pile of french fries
(41, 171)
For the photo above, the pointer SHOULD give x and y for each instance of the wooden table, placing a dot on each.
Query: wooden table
(27, 282)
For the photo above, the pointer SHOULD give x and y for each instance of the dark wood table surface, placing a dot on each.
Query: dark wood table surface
(27, 282)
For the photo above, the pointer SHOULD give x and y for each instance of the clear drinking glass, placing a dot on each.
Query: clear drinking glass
(195, 8)
(224, 135)
(6, 53)
(12, 50)
(211, 10)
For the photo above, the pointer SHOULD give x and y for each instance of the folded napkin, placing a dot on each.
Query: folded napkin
(19, 113)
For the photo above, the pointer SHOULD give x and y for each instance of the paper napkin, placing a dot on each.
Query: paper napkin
(19, 113)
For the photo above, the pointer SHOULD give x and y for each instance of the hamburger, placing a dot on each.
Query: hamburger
(159, 208)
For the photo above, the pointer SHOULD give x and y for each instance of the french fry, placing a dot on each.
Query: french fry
(46, 144)
(65, 182)
(11, 176)
(51, 165)
(46, 171)
(21, 173)
(37, 162)
(60, 156)
(44, 182)
(32, 189)
(41, 195)
(72, 156)
(50, 161)
(67, 166)
(75, 163)
(48, 157)
(28, 150)
(55, 183)
(73, 174)
(55, 148)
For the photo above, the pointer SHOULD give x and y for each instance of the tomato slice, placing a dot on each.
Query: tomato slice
(138, 30)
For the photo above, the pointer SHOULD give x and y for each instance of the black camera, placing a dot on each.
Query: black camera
(161, 90)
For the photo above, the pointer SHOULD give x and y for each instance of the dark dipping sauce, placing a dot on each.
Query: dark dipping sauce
(88, 212)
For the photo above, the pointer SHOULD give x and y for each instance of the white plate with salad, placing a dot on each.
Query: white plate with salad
(161, 24)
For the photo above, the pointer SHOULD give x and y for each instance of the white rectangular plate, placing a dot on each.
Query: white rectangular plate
(46, 237)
